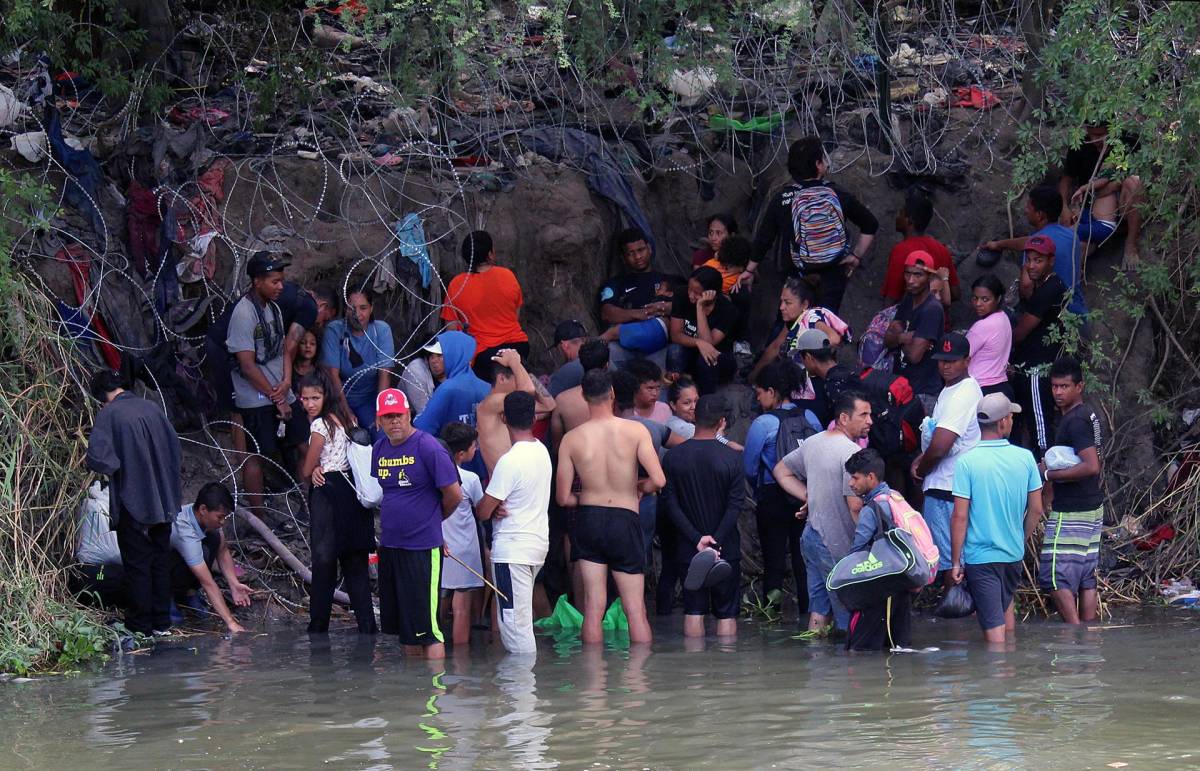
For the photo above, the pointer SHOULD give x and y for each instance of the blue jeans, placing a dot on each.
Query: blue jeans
(819, 563)
(937, 516)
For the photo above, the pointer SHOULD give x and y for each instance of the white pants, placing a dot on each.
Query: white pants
(516, 613)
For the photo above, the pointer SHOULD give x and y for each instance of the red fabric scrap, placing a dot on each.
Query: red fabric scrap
(80, 263)
(186, 117)
(975, 96)
(1158, 536)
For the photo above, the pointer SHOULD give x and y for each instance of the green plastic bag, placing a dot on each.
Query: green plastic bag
(565, 616)
(763, 123)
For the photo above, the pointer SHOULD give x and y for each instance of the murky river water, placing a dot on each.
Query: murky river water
(1125, 692)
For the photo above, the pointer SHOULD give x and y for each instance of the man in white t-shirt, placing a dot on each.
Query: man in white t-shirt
(518, 497)
(956, 430)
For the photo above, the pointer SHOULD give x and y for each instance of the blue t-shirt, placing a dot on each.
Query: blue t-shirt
(374, 346)
(1067, 262)
(997, 478)
(187, 537)
(412, 474)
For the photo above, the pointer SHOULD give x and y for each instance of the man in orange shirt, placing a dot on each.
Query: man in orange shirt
(486, 303)
(911, 222)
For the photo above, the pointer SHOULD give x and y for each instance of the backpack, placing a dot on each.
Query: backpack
(896, 413)
(905, 517)
(818, 225)
(872, 353)
(794, 428)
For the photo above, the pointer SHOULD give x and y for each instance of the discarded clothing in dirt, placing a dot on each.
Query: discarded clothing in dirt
(605, 176)
(410, 232)
(142, 223)
(80, 263)
(84, 175)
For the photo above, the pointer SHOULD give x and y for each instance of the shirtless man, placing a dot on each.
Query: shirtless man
(605, 451)
(508, 375)
(570, 409)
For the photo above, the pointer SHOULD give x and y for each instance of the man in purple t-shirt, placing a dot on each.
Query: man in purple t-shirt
(420, 489)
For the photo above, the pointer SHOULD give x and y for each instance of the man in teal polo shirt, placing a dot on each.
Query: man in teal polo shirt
(996, 487)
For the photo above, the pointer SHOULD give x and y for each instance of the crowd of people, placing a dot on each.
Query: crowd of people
(499, 490)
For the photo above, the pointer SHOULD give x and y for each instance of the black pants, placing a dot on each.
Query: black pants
(880, 627)
(146, 560)
(355, 579)
(483, 360)
(183, 580)
(340, 533)
(100, 585)
(669, 575)
(1038, 414)
(779, 534)
(708, 377)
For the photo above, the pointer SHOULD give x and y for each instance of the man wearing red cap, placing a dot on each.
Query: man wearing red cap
(918, 324)
(420, 489)
(1043, 297)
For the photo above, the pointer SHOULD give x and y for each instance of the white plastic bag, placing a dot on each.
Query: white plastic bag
(366, 486)
(1060, 457)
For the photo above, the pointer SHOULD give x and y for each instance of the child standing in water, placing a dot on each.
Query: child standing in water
(461, 535)
(341, 530)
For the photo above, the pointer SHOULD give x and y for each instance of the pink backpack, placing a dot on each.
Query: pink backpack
(908, 519)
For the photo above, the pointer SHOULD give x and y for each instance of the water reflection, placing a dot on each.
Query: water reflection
(1056, 698)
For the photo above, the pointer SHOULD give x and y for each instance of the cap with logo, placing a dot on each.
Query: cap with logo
(569, 330)
(391, 401)
(919, 257)
(952, 347)
(262, 263)
(1040, 244)
(994, 408)
(812, 340)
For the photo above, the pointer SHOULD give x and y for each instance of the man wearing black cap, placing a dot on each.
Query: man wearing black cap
(568, 336)
(956, 431)
(260, 393)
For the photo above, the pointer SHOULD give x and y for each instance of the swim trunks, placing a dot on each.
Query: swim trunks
(408, 594)
(1092, 230)
(1071, 550)
(608, 536)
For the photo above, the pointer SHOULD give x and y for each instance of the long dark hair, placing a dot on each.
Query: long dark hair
(331, 403)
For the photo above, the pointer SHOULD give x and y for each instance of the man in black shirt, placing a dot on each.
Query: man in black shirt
(808, 219)
(701, 328)
(829, 379)
(1043, 297)
(1071, 549)
(919, 323)
(634, 304)
(705, 493)
(136, 446)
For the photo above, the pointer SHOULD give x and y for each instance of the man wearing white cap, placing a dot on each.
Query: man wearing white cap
(997, 488)
(422, 374)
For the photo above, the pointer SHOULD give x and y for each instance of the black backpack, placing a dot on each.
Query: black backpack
(896, 413)
(794, 428)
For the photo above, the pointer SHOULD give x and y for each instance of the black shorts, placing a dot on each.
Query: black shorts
(880, 627)
(409, 580)
(262, 424)
(721, 601)
(609, 536)
(992, 586)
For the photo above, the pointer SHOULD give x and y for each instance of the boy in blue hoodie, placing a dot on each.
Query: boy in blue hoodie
(887, 624)
(459, 394)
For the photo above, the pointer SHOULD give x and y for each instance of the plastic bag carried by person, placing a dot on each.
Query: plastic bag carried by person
(1060, 457)
(956, 604)
(358, 452)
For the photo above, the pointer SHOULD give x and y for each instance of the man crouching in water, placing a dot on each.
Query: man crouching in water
(605, 452)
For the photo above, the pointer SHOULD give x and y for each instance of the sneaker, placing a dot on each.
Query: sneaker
(742, 348)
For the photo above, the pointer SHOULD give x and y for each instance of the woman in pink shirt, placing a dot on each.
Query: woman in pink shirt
(990, 337)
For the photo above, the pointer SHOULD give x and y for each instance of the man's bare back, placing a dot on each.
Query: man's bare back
(570, 412)
(604, 452)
